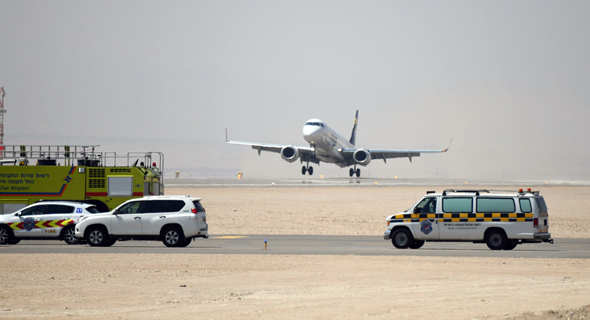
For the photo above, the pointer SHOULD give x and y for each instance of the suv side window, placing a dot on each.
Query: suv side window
(525, 205)
(33, 210)
(92, 209)
(173, 205)
(129, 208)
(495, 205)
(155, 206)
(199, 206)
(152, 206)
(457, 205)
(427, 205)
(58, 208)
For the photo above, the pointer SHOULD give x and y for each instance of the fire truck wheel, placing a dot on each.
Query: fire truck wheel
(173, 237)
(97, 236)
(69, 235)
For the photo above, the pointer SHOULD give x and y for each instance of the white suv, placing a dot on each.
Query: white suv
(175, 220)
(44, 221)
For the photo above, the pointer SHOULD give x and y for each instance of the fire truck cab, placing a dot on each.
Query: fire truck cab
(33, 173)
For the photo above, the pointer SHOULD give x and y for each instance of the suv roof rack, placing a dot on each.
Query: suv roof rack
(465, 191)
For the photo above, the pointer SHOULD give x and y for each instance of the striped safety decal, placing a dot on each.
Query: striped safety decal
(42, 224)
(463, 217)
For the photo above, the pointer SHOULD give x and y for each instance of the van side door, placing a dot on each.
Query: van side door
(457, 218)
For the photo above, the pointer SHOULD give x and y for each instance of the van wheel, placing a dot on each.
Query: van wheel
(97, 236)
(402, 238)
(417, 244)
(511, 244)
(173, 237)
(69, 235)
(496, 239)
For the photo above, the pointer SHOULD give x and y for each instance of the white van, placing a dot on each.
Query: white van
(500, 219)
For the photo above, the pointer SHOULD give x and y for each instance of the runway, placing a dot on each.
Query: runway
(313, 245)
(316, 181)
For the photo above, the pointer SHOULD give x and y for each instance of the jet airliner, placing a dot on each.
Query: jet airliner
(326, 145)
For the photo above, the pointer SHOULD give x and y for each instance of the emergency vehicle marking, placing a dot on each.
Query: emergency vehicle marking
(30, 224)
(39, 194)
(463, 217)
(426, 227)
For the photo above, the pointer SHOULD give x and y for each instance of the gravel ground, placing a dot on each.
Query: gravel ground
(182, 286)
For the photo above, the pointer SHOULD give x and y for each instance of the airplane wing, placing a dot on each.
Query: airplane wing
(388, 154)
(271, 147)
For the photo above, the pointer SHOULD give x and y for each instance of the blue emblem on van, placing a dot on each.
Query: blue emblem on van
(426, 227)
(78, 210)
(29, 224)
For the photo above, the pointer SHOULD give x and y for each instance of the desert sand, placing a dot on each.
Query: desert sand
(203, 286)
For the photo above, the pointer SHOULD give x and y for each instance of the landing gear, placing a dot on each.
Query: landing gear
(354, 171)
(307, 169)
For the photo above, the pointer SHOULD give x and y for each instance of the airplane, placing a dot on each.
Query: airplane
(326, 145)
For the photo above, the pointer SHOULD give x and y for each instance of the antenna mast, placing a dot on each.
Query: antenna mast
(2, 112)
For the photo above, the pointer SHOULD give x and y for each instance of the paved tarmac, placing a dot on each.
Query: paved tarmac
(313, 245)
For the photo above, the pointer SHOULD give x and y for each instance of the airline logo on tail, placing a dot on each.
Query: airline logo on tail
(353, 135)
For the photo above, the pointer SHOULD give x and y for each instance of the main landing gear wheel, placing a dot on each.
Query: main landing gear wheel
(352, 172)
(305, 169)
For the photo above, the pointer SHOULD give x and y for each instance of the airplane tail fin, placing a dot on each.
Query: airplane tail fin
(353, 135)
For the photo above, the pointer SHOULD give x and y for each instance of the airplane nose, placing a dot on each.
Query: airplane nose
(309, 131)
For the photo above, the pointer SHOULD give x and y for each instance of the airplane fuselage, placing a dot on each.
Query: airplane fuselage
(325, 141)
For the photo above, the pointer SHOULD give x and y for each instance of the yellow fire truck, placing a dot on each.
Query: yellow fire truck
(32, 173)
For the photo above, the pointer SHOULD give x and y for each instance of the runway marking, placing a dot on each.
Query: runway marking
(230, 237)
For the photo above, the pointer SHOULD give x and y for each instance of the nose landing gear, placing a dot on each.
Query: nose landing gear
(354, 171)
(307, 169)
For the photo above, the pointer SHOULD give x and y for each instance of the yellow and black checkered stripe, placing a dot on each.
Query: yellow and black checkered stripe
(463, 217)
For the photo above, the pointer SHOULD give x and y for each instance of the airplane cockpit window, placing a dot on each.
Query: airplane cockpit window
(317, 124)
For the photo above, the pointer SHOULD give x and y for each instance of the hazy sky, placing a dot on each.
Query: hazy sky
(508, 80)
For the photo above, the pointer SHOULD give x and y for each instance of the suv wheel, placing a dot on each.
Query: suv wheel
(496, 239)
(173, 237)
(97, 236)
(69, 235)
(5, 235)
(402, 238)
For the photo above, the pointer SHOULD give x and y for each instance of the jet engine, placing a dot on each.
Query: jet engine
(289, 153)
(362, 157)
